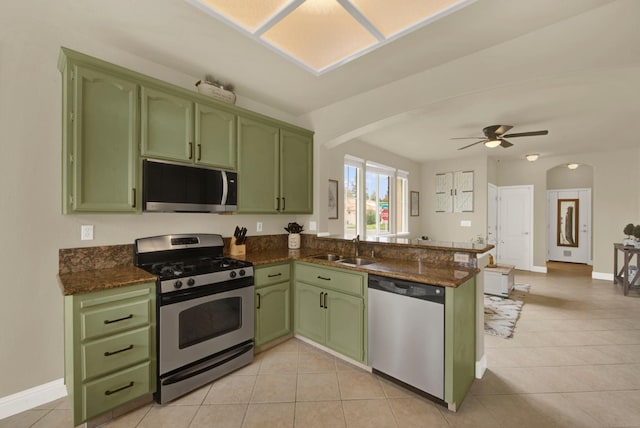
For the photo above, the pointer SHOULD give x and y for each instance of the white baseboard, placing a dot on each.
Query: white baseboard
(602, 275)
(539, 269)
(32, 397)
(481, 367)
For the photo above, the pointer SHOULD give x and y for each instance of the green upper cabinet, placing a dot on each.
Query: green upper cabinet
(166, 125)
(176, 128)
(258, 166)
(215, 136)
(275, 168)
(296, 172)
(100, 135)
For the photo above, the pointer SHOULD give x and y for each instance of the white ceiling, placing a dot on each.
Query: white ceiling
(569, 66)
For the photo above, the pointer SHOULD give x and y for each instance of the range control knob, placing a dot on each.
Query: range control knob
(242, 272)
(190, 282)
(232, 274)
(177, 284)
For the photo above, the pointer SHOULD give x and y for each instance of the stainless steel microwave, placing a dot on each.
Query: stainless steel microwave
(170, 187)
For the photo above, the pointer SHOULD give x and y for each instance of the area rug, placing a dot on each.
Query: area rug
(501, 314)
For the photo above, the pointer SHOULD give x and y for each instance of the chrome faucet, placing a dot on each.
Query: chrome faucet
(356, 242)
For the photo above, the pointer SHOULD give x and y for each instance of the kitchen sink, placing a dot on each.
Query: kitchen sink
(356, 261)
(327, 257)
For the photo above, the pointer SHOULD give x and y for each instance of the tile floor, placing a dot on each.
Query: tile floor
(574, 361)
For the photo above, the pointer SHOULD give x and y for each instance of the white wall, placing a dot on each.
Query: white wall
(31, 224)
(446, 226)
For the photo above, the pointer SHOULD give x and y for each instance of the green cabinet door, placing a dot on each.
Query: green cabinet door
(273, 312)
(296, 172)
(166, 125)
(215, 137)
(258, 167)
(345, 324)
(100, 141)
(309, 312)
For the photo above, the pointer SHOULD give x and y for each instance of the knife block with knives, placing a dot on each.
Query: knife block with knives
(237, 246)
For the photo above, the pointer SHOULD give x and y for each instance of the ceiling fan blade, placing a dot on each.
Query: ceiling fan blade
(472, 144)
(527, 134)
(467, 138)
(505, 144)
(496, 130)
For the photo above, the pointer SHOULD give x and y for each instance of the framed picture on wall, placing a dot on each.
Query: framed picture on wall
(414, 203)
(332, 202)
(568, 218)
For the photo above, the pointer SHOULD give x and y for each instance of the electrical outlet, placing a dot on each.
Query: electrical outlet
(86, 232)
(461, 258)
(259, 226)
(465, 223)
(313, 225)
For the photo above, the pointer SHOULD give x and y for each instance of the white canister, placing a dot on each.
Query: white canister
(294, 241)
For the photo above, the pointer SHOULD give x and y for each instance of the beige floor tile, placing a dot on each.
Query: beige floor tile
(219, 416)
(291, 345)
(392, 390)
(274, 388)
(311, 362)
(317, 387)
(610, 408)
(24, 419)
(416, 412)
(249, 369)
(60, 404)
(359, 385)
(130, 419)
(319, 414)
(345, 366)
(368, 414)
(55, 419)
(231, 390)
(168, 417)
(560, 411)
(269, 415)
(279, 362)
(472, 414)
(513, 411)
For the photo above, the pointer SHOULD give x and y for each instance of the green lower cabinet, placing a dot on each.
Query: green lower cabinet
(460, 342)
(109, 338)
(273, 312)
(330, 308)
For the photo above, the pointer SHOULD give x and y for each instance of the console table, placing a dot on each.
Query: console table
(622, 276)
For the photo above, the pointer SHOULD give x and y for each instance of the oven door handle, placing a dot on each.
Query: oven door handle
(208, 365)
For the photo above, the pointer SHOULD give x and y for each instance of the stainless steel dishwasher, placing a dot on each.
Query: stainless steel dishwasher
(406, 332)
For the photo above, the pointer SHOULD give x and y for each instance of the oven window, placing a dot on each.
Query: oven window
(209, 320)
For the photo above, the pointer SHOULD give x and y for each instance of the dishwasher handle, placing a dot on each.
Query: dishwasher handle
(416, 290)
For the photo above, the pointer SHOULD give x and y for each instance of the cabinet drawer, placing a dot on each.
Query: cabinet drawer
(114, 352)
(272, 274)
(112, 391)
(335, 279)
(114, 318)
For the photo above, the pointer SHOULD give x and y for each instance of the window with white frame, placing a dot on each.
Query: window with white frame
(375, 199)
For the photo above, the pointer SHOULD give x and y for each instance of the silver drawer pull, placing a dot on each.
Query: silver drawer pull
(110, 353)
(324, 278)
(109, 392)
(118, 319)
(274, 275)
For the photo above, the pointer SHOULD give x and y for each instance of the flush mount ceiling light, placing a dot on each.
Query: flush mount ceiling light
(492, 143)
(532, 157)
(321, 35)
(572, 165)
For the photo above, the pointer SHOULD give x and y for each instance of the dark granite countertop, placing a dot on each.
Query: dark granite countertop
(409, 270)
(102, 279)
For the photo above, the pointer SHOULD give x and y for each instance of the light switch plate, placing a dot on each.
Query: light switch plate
(86, 232)
(312, 225)
(259, 226)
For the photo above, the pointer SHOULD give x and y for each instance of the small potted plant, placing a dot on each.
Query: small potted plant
(628, 230)
(636, 234)
(294, 230)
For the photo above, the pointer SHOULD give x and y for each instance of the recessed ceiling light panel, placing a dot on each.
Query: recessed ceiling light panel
(249, 15)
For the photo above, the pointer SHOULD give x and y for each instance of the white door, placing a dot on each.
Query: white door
(492, 216)
(567, 252)
(515, 227)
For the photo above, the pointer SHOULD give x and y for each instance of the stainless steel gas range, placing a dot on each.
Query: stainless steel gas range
(205, 310)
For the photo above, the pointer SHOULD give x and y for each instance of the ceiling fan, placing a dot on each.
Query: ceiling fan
(494, 136)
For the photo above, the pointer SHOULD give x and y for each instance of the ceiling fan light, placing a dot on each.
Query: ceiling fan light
(532, 157)
(492, 143)
(572, 165)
